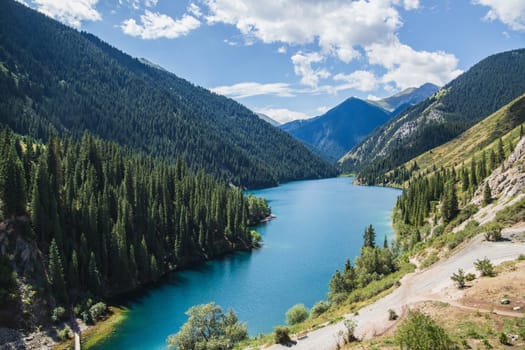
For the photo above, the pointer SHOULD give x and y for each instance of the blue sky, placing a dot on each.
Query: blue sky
(295, 59)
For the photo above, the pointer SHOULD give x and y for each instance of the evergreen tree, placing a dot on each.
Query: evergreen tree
(93, 274)
(369, 237)
(72, 275)
(56, 273)
(501, 151)
(487, 194)
(12, 182)
(450, 203)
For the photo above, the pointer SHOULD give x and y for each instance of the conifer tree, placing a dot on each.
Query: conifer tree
(93, 274)
(12, 182)
(501, 151)
(487, 194)
(56, 273)
(369, 237)
(450, 203)
(72, 275)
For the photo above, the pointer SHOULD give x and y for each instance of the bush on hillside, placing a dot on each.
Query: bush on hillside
(296, 314)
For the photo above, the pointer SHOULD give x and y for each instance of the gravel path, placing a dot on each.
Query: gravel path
(432, 283)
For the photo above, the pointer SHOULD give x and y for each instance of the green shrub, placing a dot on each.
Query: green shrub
(319, 308)
(296, 314)
(256, 238)
(281, 335)
(459, 278)
(86, 317)
(470, 277)
(438, 230)
(485, 267)
(493, 231)
(97, 311)
(58, 314)
(511, 214)
(430, 260)
(65, 333)
(421, 332)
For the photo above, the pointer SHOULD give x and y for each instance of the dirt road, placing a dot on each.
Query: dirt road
(431, 284)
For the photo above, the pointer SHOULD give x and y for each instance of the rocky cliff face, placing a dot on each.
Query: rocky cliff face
(24, 258)
(508, 180)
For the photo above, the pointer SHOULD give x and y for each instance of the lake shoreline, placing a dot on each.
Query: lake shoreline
(376, 206)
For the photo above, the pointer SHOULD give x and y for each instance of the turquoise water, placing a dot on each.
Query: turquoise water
(319, 225)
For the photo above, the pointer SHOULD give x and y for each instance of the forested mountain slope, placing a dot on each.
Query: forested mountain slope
(474, 141)
(450, 183)
(87, 218)
(339, 129)
(55, 79)
(483, 89)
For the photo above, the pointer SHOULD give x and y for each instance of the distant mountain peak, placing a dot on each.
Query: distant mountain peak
(407, 97)
(339, 129)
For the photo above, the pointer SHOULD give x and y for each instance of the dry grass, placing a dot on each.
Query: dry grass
(471, 328)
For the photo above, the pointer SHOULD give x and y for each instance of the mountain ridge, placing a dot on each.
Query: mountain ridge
(483, 89)
(335, 132)
(55, 79)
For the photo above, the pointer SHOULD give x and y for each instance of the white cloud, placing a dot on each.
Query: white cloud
(303, 67)
(156, 25)
(195, 10)
(411, 4)
(282, 49)
(151, 3)
(338, 29)
(407, 67)
(360, 80)
(510, 12)
(230, 42)
(71, 12)
(138, 4)
(249, 89)
(282, 115)
(337, 26)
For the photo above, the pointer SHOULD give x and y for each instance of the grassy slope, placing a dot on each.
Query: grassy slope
(504, 123)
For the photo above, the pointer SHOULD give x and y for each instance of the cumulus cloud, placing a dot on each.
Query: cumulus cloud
(303, 67)
(407, 67)
(360, 80)
(337, 26)
(249, 89)
(195, 10)
(411, 4)
(138, 4)
(282, 115)
(156, 25)
(510, 12)
(151, 3)
(342, 30)
(71, 12)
